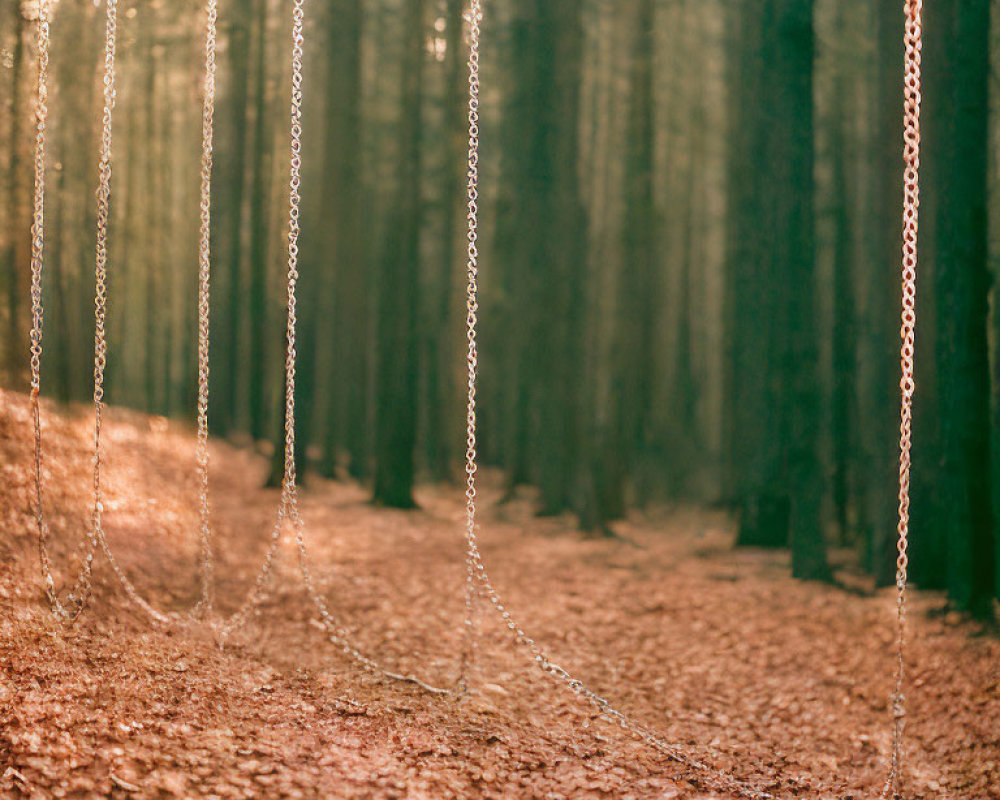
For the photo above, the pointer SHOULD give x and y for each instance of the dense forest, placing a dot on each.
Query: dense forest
(690, 253)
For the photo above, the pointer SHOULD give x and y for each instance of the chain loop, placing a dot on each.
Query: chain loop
(79, 595)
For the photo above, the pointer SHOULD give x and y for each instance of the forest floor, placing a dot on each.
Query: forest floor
(783, 683)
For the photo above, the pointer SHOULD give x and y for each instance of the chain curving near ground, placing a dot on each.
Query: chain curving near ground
(782, 683)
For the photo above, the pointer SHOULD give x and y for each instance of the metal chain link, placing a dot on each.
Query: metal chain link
(913, 42)
(97, 538)
(477, 577)
(82, 587)
(204, 309)
(289, 503)
(288, 506)
(77, 595)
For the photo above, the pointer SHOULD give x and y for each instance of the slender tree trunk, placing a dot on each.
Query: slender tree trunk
(878, 340)
(754, 430)
(844, 330)
(227, 240)
(632, 381)
(348, 402)
(260, 224)
(560, 410)
(804, 467)
(962, 285)
(17, 236)
(396, 399)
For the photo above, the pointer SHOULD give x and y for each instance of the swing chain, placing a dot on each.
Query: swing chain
(475, 17)
(82, 588)
(911, 204)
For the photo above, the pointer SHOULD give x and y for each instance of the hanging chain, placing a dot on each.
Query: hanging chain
(82, 588)
(204, 307)
(472, 355)
(80, 591)
(913, 40)
(289, 504)
(477, 578)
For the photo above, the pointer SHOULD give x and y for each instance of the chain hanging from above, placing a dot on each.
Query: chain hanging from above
(913, 45)
(96, 538)
(477, 579)
(288, 505)
(477, 583)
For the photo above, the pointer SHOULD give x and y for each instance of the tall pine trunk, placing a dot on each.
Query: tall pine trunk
(396, 371)
(958, 53)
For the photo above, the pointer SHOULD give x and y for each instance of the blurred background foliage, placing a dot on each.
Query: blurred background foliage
(690, 253)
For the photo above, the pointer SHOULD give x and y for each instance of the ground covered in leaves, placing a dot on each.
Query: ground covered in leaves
(782, 683)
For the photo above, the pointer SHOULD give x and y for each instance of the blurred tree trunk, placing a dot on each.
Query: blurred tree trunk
(343, 329)
(437, 355)
(16, 253)
(540, 238)
(796, 185)
(260, 222)
(844, 346)
(227, 217)
(753, 418)
(878, 317)
(685, 438)
(959, 47)
(154, 365)
(777, 402)
(639, 288)
(396, 398)
(559, 360)
(517, 241)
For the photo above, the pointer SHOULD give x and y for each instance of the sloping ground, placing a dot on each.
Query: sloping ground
(783, 683)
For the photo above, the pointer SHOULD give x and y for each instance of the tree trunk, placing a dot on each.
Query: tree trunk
(260, 225)
(227, 239)
(959, 47)
(396, 398)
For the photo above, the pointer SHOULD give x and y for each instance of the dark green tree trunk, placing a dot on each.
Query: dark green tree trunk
(959, 49)
(777, 405)
(396, 381)
(17, 235)
(796, 53)
(257, 357)
(634, 362)
(754, 430)
(564, 225)
(878, 316)
(844, 389)
(227, 240)
(343, 328)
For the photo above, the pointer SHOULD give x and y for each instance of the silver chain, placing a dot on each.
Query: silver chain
(204, 308)
(477, 581)
(477, 578)
(289, 503)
